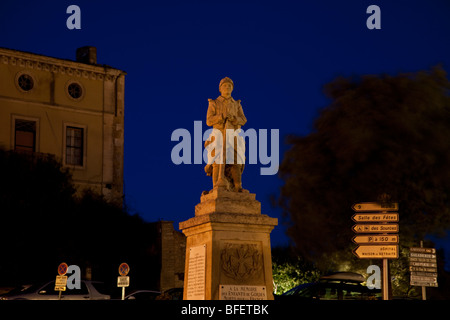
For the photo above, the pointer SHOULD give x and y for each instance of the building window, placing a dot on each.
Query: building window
(25, 135)
(75, 90)
(74, 146)
(25, 82)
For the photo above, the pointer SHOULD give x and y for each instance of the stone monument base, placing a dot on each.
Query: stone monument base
(228, 253)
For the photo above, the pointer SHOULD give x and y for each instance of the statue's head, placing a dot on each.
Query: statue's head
(226, 86)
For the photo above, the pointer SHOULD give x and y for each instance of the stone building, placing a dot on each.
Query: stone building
(74, 110)
(172, 246)
(71, 109)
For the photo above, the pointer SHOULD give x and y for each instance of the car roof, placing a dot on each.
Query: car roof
(344, 276)
(143, 290)
(294, 290)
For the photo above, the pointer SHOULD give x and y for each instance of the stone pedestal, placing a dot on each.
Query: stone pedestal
(228, 253)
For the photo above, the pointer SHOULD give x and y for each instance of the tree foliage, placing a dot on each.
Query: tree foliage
(45, 222)
(379, 134)
(290, 270)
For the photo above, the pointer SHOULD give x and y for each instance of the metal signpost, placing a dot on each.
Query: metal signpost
(423, 268)
(123, 280)
(61, 279)
(376, 235)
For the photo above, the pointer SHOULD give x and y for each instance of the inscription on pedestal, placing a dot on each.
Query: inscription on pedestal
(242, 292)
(196, 273)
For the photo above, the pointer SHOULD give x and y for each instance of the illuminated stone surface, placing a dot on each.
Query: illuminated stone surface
(235, 237)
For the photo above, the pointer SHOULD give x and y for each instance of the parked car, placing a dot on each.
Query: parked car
(142, 295)
(89, 290)
(337, 286)
(171, 294)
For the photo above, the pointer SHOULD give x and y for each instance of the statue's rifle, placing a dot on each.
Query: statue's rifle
(221, 182)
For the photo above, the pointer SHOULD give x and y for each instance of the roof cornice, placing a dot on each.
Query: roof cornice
(72, 68)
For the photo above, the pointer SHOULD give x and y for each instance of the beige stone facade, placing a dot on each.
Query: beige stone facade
(237, 250)
(71, 109)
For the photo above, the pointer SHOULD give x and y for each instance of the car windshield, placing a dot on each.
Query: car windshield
(301, 290)
(24, 289)
(339, 291)
(143, 295)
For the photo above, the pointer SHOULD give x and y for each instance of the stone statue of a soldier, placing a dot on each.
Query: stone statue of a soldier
(226, 116)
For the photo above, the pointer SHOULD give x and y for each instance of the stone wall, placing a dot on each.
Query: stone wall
(173, 251)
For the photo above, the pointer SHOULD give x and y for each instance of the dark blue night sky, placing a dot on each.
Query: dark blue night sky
(278, 53)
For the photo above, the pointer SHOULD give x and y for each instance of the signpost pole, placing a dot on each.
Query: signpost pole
(61, 280)
(385, 280)
(385, 277)
(424, 289)
(376, 234)
(123, 281)
(424, 293)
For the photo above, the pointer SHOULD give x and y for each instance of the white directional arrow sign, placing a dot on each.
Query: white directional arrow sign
(423, 267)
(423, 250)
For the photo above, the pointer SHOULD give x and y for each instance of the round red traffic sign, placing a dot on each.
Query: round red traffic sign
(62, 269)
(124, 268)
